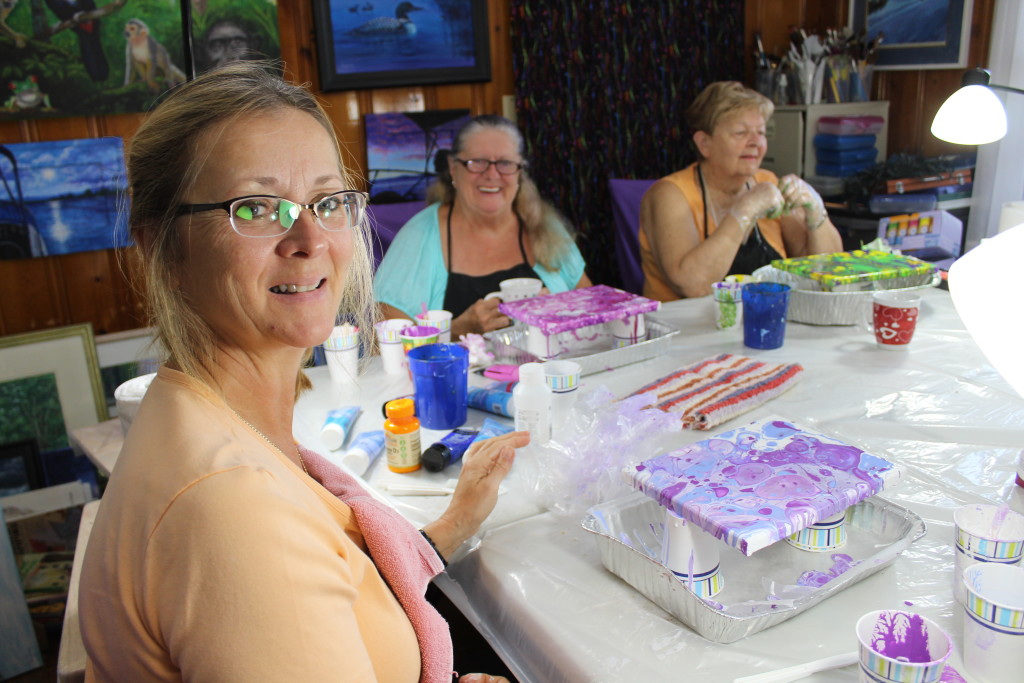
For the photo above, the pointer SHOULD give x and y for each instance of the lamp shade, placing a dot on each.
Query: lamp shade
(973, 115)
(982, 284)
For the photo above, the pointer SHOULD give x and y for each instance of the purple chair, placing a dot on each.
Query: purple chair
(626, 196)
(386, 220)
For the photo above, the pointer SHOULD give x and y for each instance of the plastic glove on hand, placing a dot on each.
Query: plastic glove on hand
(762, 201)
(799, 194)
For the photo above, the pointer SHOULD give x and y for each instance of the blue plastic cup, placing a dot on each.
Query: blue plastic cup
(764, 314)
(440, 377)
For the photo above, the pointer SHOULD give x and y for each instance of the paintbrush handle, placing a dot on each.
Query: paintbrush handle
(794, 673)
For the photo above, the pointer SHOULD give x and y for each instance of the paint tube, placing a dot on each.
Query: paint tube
(491, 428)
(363, 451)
(338, 425)
(495, 398)
(448, 450)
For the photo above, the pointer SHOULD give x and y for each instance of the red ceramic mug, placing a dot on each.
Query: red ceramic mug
(894, 318)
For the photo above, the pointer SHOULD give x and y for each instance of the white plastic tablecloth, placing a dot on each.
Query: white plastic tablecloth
(536, 587)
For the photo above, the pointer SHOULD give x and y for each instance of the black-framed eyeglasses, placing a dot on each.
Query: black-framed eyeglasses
(504, 166)
(258, 215)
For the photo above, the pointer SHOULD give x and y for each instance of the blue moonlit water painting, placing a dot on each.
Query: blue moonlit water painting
(72, 197)
(910, 22)
(374, 36)
(400, 150)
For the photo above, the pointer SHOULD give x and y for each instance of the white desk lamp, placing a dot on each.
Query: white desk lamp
(981, 284)
(973, 115)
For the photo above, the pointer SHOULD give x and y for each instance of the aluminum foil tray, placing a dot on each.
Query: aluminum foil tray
(837, 307)
(629, 532)
(597, 355)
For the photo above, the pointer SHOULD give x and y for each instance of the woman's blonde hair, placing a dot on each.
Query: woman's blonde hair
(164, 160)
(550, 234)
(722, 98)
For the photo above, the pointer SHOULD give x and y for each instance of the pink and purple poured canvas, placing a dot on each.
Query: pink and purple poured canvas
(757, 484)
(578, 308)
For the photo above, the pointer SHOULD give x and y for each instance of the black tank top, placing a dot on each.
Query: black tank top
(462, 291)
(753, 253)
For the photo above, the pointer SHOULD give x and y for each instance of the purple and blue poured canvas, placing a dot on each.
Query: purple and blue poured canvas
(757, 484)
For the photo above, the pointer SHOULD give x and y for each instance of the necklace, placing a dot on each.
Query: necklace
(302, 462)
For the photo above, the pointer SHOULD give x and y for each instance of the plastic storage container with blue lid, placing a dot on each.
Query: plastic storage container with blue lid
(828, 141)
(850, 125)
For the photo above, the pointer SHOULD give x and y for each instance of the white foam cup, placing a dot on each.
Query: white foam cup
(392, 355)
(631, 327)
(343, 364)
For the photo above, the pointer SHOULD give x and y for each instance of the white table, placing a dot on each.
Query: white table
(535, 585)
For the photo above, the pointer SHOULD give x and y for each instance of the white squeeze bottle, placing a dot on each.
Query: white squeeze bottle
(532, 400)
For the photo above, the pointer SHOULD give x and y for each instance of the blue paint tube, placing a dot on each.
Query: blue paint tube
(448, 450)
(490, 428)
(338, 425)
(495, 398)
(363, 451)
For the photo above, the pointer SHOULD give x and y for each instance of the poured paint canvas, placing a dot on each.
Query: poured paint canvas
(400, 151)
(758, 484)
(578, 308)
(62, 197)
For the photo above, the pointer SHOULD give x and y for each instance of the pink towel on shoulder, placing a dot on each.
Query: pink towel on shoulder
(404, 559)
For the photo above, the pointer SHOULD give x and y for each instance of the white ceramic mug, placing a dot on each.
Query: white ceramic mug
(517, 288)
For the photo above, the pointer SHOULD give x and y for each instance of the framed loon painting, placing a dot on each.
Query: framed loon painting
(381, 44)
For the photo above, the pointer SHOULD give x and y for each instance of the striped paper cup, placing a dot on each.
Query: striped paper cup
(994, 621)
(828, 534)
(901, 647)
(562, 375)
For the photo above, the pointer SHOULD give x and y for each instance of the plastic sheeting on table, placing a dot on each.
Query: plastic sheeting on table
(538, 590)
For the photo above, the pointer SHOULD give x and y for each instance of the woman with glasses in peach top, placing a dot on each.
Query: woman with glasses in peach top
(485, 223)
(222, 549)
(723, 214)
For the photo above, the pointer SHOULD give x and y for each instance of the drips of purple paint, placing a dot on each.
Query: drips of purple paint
(902, 636)
(841, 563)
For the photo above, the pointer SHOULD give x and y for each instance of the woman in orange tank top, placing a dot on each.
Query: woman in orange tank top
(723, 214)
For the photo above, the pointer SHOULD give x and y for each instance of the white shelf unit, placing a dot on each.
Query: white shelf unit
(792, 129)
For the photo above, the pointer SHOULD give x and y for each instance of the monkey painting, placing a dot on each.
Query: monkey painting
(6, 6)
(147, 60)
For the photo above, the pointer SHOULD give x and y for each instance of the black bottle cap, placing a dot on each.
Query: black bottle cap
(436, 457)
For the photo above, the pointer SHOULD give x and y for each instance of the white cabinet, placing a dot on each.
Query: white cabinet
(793, 127)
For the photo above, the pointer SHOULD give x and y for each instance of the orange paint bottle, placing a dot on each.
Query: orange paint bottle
(402, 436)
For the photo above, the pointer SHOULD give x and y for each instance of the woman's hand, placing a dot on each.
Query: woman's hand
(482, 316)
(761, 201)
(484, 466)
(800, 195)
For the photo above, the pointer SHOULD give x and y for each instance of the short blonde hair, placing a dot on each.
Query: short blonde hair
(722, 98)
(164, 161)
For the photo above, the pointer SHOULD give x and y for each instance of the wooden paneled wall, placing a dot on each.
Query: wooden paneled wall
(914, 96)
(92, 286)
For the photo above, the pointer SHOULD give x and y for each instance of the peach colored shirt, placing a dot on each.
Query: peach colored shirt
(214, 558)
(655, 280)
